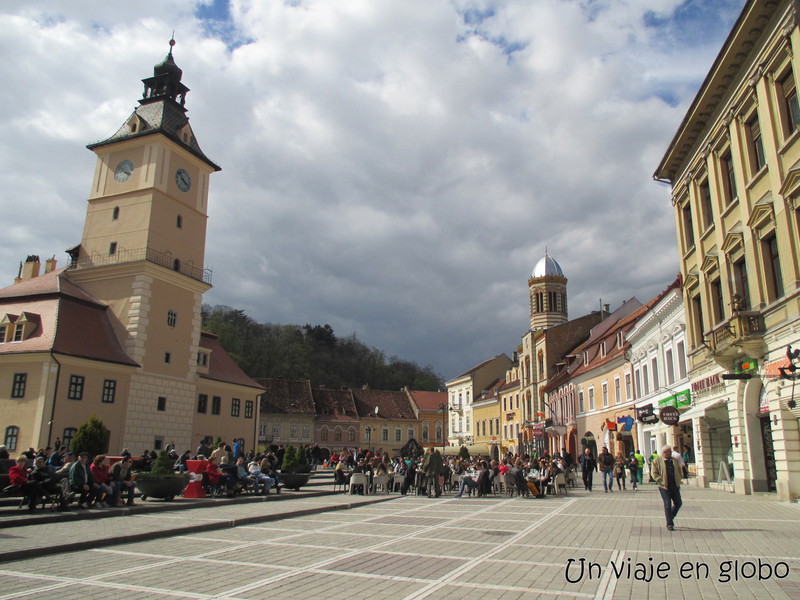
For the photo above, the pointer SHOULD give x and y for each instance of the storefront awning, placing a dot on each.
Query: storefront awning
(700, 410)
(474, 450)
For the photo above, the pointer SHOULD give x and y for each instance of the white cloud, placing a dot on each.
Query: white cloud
(394, 169)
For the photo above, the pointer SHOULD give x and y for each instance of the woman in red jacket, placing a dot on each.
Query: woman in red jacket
(215, 476)
(18, 477)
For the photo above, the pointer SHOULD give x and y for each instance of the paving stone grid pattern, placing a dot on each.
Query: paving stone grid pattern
(415, 547)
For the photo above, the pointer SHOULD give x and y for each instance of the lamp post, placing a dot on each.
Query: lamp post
(444, 408)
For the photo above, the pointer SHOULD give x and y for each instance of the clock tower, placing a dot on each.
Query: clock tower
(143, 244)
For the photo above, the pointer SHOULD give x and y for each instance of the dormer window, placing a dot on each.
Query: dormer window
(585, 357)
(15, 328)
(602, 349)
(202, 358)
(3, 331)
(620, 339)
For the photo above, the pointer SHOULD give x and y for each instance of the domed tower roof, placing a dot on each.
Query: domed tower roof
(547, 267)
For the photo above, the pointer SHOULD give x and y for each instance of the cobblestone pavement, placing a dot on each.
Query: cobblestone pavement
(585, 545)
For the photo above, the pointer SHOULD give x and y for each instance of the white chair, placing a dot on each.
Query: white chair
(558, 484)
(359, 479)
(381, 481)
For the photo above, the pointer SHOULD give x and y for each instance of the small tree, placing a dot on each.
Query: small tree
(289, 458)
(91, 437)
(463, 452)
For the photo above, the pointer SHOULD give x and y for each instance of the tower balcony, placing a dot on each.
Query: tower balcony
(743, 333)
(162, 259)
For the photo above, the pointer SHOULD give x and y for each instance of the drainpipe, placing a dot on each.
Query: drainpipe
(55, 395)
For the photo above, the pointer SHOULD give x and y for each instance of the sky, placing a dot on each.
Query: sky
(394, 168)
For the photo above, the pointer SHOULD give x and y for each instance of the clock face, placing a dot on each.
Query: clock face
(123, 171)
(182, 180)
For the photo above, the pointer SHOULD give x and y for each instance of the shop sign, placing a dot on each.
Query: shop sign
(626, 422)
(772, 369)
(646, 415)
(611, 426)
(707, 384)
(680, 399)
(746, 365)
(670, 415)
(763, 405)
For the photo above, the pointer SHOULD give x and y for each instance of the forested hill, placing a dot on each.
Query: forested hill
(312, 352)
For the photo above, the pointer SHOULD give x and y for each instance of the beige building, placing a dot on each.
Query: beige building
(734, 171)
(462, 391)
(118, 332)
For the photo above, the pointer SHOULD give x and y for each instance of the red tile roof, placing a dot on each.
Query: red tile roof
(391, 405)
(285, 396)
(428, 400)
(332, 405)
(221, 367)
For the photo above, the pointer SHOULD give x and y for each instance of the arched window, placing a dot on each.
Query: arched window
(337, 434)
(438, 432)
(12, 436)
(351, 435)
(425, 432)
(323, 434)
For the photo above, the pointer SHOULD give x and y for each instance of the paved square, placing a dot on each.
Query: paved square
(584, 545)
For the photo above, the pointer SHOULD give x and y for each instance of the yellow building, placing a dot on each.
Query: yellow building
(734, 171)
(118, 332)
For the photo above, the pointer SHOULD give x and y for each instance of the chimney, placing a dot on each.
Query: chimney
(29, 269)
(50, 265)
(606, 308)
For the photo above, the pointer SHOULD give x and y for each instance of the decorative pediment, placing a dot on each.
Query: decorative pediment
(762, 216)
(791, 184)
(710, 262)
(692, 280)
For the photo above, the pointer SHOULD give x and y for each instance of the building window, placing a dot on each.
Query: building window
(176, 265)
(18, 385)
(109, 391)
(202, 403)
(112, 248)
(628, 389)
(755, 146)
(12, 435)
(717, 308)
(75, 391)
(410, 434)
(670, 367)
(69, 433)
(645, 380)
(741, 286)
(697, 319)
(398, 434)
(591, 398)
(3, 332)
(293, 432)
(235, 407)
(728, 178)
(602, 349)
(385, 434)
(202, 359)
(773, 267)
(167, 357)
(216, 405)
(323, 434)
(688, 227)
(681, 360)
(790, 111)
(351, 435)
(276, 432)
(179, 222)
(638, 377)
(654, 365)
(172, 318)
(161, 404)
(604, 391)
(115, 213)
(581, 407)
(705, 204)
(617, 391)
(248, 409)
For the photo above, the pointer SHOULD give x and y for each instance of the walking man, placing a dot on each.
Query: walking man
(606, 463)
(432, 467)
(666, 471)
(588, 465)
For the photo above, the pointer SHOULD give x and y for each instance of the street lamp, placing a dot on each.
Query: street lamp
(444, 408)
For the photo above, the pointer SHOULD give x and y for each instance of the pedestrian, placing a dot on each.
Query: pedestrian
(666, 471)
(619, 470)
(432, 467)
(633, 467)
(606, 464)
(588, 465)
(639, 466)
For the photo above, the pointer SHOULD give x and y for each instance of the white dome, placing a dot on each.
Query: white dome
(547, 266)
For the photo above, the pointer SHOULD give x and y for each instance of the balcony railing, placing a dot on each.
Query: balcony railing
(162, 259)
(743, 327)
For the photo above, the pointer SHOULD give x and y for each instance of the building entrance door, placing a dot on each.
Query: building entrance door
(769, 454)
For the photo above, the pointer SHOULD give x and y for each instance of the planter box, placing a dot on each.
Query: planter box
(161, 488)
(294, 481)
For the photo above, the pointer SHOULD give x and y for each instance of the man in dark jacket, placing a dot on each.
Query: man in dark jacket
(432, 467)
(606, 463)
(81, 482)
(588, 465)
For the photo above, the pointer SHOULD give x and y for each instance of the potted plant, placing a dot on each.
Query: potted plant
(295, 470)
(161, 481)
